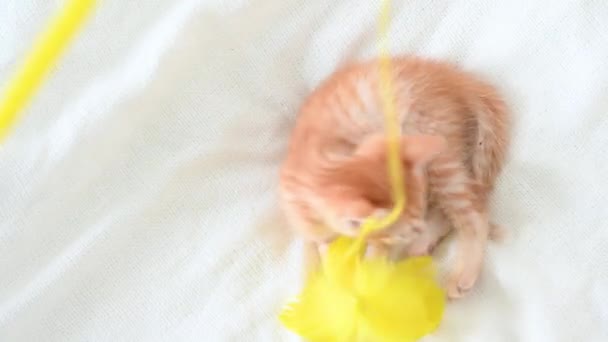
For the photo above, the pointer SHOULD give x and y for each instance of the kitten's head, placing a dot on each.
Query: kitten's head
(360, 187)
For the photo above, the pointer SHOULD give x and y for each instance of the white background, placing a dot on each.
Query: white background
(137, 194)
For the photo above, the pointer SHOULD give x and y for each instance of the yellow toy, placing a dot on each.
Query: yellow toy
(357, 299)
(41, 59)
(361, 299)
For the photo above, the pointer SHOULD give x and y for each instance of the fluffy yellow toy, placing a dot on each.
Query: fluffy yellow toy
(361, 299)
(353, 298)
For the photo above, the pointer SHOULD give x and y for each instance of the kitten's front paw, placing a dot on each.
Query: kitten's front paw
(460, 283)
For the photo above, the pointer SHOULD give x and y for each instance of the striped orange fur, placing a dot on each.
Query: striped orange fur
(454, 140)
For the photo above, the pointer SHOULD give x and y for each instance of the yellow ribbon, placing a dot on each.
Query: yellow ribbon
(40, 60)
(395, 169)
(370, 299)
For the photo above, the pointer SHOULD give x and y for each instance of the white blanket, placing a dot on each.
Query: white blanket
(137, 193)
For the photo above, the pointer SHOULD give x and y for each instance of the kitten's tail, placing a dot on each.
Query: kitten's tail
(493, 136)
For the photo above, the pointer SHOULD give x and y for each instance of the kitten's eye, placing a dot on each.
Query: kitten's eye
(350, 226)
(353, 223)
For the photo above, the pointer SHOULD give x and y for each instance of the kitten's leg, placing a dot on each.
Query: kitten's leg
(483, 192)
(497, 233)
(312, 257)
(455, 193)
(437, 227)
(316, 237)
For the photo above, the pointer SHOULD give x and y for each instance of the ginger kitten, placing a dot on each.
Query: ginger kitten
(454, 138)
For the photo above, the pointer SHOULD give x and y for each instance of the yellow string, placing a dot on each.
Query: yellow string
(395, 170)
(359, 299)
(40, 60)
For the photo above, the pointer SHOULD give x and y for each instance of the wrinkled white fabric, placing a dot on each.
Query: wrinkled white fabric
(137, 193)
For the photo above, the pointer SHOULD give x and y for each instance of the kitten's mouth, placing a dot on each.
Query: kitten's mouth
(397, 240)
(390, 238)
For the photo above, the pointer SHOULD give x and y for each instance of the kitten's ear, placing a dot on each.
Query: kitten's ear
(373, 145)
(421, 149)
(417, 149)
